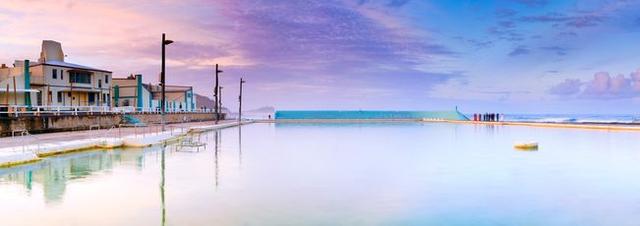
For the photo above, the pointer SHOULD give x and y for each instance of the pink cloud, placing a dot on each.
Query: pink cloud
(601, 86)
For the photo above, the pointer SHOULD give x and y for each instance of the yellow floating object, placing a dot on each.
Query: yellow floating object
(526, 146)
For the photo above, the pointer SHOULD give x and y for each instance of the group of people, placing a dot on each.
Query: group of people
(488, 117)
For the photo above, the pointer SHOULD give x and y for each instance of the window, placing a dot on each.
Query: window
(61, 74)
(92, 98)
(59, 97)
(80, 77)
(99, 83)
(106, 79)
(39, 98)
(54, 74)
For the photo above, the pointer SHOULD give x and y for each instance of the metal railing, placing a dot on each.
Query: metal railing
(30, 141)
(21, 110)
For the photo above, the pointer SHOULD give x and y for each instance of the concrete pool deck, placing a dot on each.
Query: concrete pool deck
(589, 126)
(26, 149)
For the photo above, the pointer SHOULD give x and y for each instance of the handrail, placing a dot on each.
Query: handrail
(33, 138)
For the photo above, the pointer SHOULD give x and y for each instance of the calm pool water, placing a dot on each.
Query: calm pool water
(340, 174)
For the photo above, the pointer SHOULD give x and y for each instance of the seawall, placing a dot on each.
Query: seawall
(60, 123)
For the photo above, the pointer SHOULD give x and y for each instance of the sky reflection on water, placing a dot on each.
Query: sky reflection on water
(339, 174)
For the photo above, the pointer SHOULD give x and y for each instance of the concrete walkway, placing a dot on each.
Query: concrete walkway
(6, 142)
(25, 149)
(589, 126)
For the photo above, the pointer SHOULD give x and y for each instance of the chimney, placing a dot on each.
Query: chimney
(51, 51)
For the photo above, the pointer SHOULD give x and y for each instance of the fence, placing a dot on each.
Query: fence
(18, 110)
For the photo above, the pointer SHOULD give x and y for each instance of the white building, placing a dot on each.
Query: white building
(53, 82)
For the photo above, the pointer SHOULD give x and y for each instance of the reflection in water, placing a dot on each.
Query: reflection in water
(55, 173)
(412, 174)
(215, 151)
(240, 147)
(162, 167)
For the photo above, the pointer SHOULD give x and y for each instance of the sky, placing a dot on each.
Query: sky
(509, 56)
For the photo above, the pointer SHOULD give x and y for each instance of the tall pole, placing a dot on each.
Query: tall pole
(162, 79)
(220, 102)
(240, 101)
(162, 83)
(215, 94)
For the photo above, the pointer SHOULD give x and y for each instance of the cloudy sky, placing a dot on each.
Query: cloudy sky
(513, 56)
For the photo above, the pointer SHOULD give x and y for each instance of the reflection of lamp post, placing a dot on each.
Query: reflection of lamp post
(240, 100)
(217, 139)
(215, 94)
(162, 187)
(162, 77)
(240, 147)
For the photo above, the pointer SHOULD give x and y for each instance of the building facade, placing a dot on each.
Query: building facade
(132, 92)
(55, 83)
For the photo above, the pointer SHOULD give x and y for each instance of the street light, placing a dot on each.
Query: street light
(215, 94)
(220, 93)
(240, 100)
(165, 42)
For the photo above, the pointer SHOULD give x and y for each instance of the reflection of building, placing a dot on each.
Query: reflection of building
(131, 92)
(55, 173)
(53, 82)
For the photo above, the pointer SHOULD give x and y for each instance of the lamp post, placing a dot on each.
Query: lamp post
(220, 99)
(162, 78)
(215, 94)
(240, 101)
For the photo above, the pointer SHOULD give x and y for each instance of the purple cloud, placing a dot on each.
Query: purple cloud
(397, 3)
(558, 50)
(507, 24)
(602, 86)
(576, 21)
(520, 50)
(566, 88)
(532, 3)
(502, 13)
(505, 33)
(323, 33)
(605, 86)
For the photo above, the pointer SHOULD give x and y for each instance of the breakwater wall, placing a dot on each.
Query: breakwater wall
(369, 115)
(60, 123)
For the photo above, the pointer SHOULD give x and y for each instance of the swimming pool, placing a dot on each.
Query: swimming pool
(340, 174)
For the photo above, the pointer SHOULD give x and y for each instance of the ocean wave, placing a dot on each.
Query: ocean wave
(607, 119)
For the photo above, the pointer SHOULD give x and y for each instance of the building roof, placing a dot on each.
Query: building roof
(69, 65)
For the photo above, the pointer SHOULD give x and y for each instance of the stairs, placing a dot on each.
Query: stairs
(131, 120)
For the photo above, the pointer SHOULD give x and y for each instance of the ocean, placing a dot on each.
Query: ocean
(573, 118)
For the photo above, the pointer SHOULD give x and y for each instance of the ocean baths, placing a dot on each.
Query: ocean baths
(408, 173)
